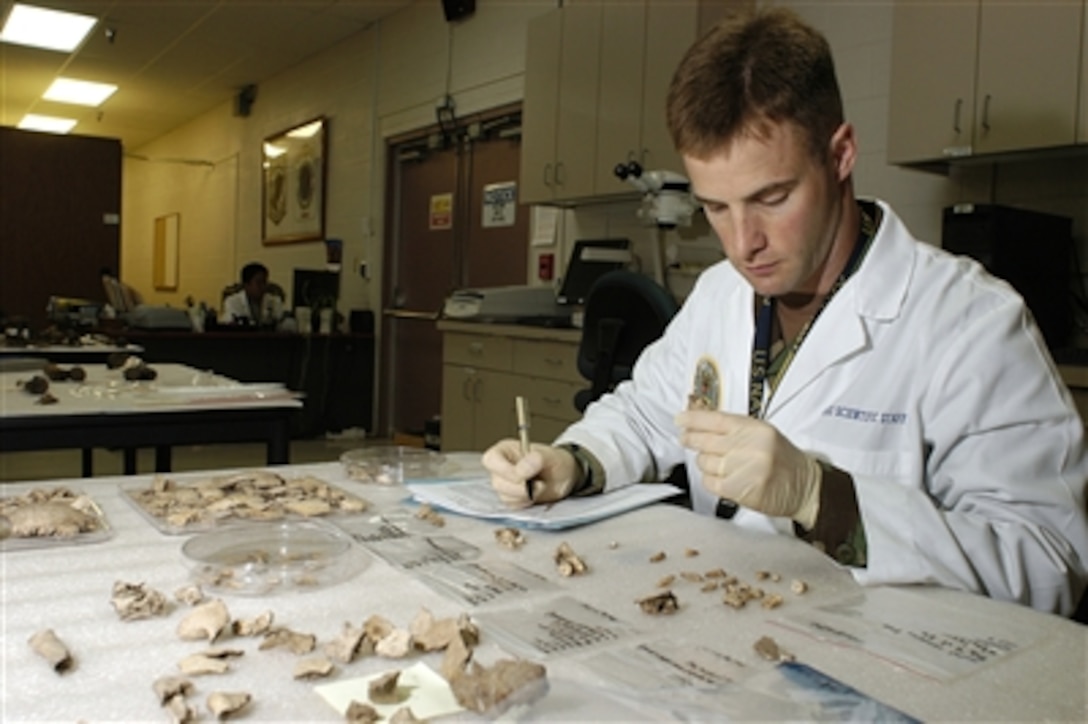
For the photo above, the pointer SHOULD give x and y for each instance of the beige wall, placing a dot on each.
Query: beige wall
(387, 81)
(384, 81)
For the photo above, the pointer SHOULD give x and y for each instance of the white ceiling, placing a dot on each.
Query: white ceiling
(174, 59)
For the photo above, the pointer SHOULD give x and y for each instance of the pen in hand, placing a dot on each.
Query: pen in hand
(521, 406)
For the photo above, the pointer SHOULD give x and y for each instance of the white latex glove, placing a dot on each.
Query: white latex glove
(749, 462)
(553, 471)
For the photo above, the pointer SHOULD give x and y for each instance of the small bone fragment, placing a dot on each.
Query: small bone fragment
(567, 562)
(347, 646)
(691, 552)
(201, 664)
(190, 595)
(455, 659)
(511, 538)
(314, 667)
(383, 690)
(798, 586)
(691, 576)
(774, 600)
(360, 713)
(179, 710)
(49, 519)
(769, 649)
(429, 634)
(298, 643)
(708, 587)
(715, 573)
(494, 689)
(613, 545)
(659, 603)
(428, 514)
(223, 703)
(666, 581)
(206, 621)
(169, 686)
(404, 715)
(396, 645)
(657, 557)
(135, 601)
(377, 627)
(48, 645)
(255, 626)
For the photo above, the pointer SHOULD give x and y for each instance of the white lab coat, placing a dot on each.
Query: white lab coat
(236, 306)
(928, 382)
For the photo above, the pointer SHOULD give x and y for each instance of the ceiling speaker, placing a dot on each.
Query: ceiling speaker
(457, 9)
(243, 101)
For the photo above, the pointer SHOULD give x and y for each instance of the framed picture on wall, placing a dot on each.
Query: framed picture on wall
(293, 176)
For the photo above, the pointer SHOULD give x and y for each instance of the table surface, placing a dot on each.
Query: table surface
(106, 392)
(68, 589)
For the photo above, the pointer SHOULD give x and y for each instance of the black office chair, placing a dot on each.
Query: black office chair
(624, 312)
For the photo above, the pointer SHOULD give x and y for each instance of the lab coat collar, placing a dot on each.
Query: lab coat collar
(875, 292)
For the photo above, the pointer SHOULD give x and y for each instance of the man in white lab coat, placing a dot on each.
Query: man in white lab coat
(835, 378)
(253, 303)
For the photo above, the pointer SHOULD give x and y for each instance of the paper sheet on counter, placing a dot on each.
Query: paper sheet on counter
(477, 498)
(429, 695)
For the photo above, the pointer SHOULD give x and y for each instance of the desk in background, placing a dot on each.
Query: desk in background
(105, 412)
(68, 589)
(335, 372)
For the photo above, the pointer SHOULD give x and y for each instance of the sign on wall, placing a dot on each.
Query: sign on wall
(441, 212)
(500, 204)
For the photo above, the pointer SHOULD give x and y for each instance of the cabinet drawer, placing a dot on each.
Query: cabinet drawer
(551, 398)
(550, 360)
(477, 350)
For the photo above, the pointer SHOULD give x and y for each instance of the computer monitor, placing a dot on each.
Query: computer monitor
(315, 288)
(590, 260)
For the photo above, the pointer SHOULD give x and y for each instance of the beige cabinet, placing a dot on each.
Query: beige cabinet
(598, 73)
(641, 45)
(559, 110)
(984, 77)
(484, 367)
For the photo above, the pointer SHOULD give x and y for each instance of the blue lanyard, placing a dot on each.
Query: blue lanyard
(765, 317)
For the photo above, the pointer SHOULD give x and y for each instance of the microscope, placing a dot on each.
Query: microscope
(666, 204)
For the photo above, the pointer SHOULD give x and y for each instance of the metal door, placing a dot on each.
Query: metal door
(437, 242)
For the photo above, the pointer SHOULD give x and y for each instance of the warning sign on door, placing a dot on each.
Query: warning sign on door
(441, 213)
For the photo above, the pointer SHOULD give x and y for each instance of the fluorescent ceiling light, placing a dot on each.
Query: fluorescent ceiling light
(80, 92)
(52, 124)
(49, 29)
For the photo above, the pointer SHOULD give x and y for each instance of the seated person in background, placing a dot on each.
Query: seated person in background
(834, 379)
(253, 304)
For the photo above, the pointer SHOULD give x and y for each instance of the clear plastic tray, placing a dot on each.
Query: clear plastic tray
(254, 559)
(392, 464)
(185, 509)
(55, 494)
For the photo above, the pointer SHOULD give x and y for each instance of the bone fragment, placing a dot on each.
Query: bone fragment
(383, 690)
(135, 601)
(315, 667)
(48, 645)
(223, 703)
(206, 621)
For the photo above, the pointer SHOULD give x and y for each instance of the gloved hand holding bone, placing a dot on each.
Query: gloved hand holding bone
(553, 471)
(749, 462)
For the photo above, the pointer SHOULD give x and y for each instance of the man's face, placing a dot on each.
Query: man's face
(256, 286)
(777, 209)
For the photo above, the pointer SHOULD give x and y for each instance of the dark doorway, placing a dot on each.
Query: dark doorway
(436, 242)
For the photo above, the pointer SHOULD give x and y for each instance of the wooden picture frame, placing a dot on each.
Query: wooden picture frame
(293, 183)
(164, 274)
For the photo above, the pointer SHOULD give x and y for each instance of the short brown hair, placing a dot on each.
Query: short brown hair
(750, 70)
